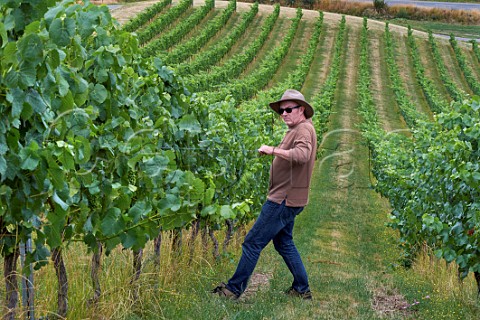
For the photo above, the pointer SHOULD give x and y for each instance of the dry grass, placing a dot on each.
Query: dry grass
(435, 14)
(367, 10)
(444, 277)
(156, 283)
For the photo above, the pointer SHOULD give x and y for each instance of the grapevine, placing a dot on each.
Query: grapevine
(145, 16)
(455, 93)
(176, 34)
(208, 58)
(467, 71)
(233, 67)
(410, 114)
(182, 52)
(436, 102)
(154, 28)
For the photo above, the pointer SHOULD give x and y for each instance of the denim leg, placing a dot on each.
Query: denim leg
(283, 243)
(267, 225)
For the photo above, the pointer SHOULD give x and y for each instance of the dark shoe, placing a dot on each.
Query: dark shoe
(222, 291)
(307, 295)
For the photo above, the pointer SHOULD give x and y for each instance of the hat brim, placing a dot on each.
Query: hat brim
(308, 108)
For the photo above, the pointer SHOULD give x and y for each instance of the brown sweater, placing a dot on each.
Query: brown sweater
(290, 180)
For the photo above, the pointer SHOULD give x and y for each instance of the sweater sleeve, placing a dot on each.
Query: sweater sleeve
(302, 147)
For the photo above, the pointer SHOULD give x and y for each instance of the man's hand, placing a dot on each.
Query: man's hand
(263, 150)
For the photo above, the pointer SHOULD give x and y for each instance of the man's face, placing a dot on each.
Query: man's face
(295, 116)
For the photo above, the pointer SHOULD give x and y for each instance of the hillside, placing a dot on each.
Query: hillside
(323, 54)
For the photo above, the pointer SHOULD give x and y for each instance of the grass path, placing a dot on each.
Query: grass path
(342, 229)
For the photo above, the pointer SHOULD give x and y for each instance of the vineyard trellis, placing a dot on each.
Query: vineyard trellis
(145, 16)
(165, 40)
(431, 179)
(157, 25)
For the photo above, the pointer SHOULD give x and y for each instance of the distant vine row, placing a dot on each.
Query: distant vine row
(145, 16)
(242, 89)
(175, 35)
(410, 114)
(187, 49)
(210, 57)
(371, 125)
(434, 99)
(476, 50)
(157, 25)
(464, 66)
(234, 66)
(452, 89)
(324, 100)
(297, 77)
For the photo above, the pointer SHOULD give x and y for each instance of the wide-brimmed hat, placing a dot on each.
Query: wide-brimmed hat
(293, 95)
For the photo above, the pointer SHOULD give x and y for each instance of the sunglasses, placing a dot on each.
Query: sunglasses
(288, 110)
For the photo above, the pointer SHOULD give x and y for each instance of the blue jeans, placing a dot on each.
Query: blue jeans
(274, 223)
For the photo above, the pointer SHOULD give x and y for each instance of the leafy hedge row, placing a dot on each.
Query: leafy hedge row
(102, 146)
(431, 179)
(244, 88)
(371, 125)
(409, 112)
(324, 101)
(476, 50)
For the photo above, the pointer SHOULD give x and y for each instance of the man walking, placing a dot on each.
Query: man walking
(290, 175)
